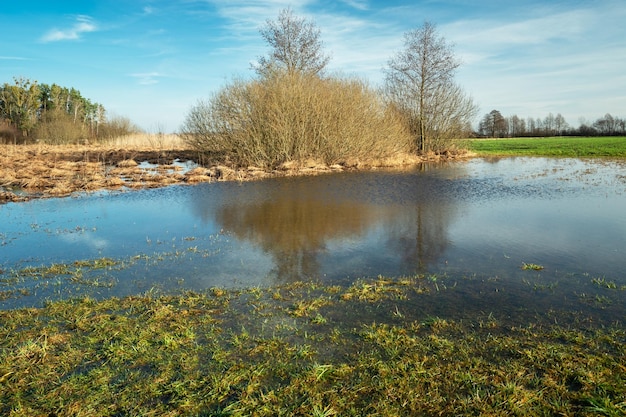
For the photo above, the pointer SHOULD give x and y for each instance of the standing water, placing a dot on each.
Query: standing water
(511, 223)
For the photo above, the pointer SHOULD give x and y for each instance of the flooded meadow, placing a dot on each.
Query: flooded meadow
(481, 287)
(527, 230)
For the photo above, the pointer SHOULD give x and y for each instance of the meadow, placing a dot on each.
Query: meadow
(377, 346)
(306, 349)
(565, 146)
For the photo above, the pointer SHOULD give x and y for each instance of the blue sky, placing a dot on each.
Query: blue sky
(151, 60)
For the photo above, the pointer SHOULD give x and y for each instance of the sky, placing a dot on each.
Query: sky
(152, 60)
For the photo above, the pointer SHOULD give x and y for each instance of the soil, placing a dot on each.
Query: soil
(40, 171)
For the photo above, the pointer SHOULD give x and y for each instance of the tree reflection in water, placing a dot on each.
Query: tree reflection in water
(295, 219)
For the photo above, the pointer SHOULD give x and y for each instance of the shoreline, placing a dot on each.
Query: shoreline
(29, 172)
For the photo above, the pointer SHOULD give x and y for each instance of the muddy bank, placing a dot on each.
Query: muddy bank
(39, 171)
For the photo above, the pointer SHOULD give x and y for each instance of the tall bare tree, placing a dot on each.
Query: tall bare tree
(420, 83)
(517, 126)
(560, 124)
(493, 125)
(296, 46)
(548, 125)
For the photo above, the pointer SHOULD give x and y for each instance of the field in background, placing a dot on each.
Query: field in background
(575, 147)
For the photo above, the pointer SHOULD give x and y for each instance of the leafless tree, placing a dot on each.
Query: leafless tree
(560, 125)
(419, 81)
(296, 46)
(548, 125)
(517, 126)
(493, 125)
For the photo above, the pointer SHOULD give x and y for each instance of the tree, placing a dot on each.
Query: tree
(296, 46)
(560, 125)
(517, 126)
(493, 125)
(606, 125)
(549, 125)
(53, 114)
(419, 83)
(19, 104)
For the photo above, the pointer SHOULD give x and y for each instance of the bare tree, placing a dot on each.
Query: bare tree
(606, 125)
(419, 81)
(549, 125)
(517, 126)
(493, 125)
(560, 124)
(296, 46)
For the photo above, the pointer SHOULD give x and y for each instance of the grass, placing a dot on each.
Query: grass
(377, 347)
(304, 349)
(533, 267)
(156, 141)
(576, 147)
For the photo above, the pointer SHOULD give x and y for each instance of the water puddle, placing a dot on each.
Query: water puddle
(471, 225)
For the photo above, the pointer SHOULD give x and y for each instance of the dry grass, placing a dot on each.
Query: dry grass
(59, 170)
(156, 141)
(42, 170)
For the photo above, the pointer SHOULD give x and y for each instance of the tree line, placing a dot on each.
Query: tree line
(30, 112)
(495, 125)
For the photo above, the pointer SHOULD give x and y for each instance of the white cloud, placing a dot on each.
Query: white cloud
(84, 24)
(357, 4)
(147, 78)
(249, 15)
(551, 60)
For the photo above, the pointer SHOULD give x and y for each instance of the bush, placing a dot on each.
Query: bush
(58, 128)
(116, 127)
(9, 134)
(295, 117)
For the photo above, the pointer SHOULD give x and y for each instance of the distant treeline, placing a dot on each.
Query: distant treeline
(32, 112)
(495, 125)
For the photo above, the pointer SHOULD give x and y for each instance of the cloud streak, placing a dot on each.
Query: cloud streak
(84, 24)
(147, 78)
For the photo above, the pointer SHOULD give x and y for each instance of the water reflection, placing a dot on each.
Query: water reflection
(295, 226)
(356, 224)
(474, 218)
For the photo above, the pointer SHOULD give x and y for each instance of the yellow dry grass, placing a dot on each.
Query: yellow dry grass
(156, 141)
(59, 170)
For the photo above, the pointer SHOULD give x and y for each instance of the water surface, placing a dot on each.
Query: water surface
(473, 221)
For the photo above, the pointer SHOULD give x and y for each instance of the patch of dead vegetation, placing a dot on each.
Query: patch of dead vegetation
(31, 171)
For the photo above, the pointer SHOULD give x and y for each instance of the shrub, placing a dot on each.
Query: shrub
(116, 127)
(9, 134)
(295, 117)
(57, 128)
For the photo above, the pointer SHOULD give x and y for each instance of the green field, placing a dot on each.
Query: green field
(575, 147)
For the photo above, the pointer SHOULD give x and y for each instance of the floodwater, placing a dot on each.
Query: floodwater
(478, 221)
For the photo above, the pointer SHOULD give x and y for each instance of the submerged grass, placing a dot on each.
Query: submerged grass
(576, 147)
(304, 349)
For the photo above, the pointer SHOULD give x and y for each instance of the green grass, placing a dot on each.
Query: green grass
(305, 349)
(553, 146)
